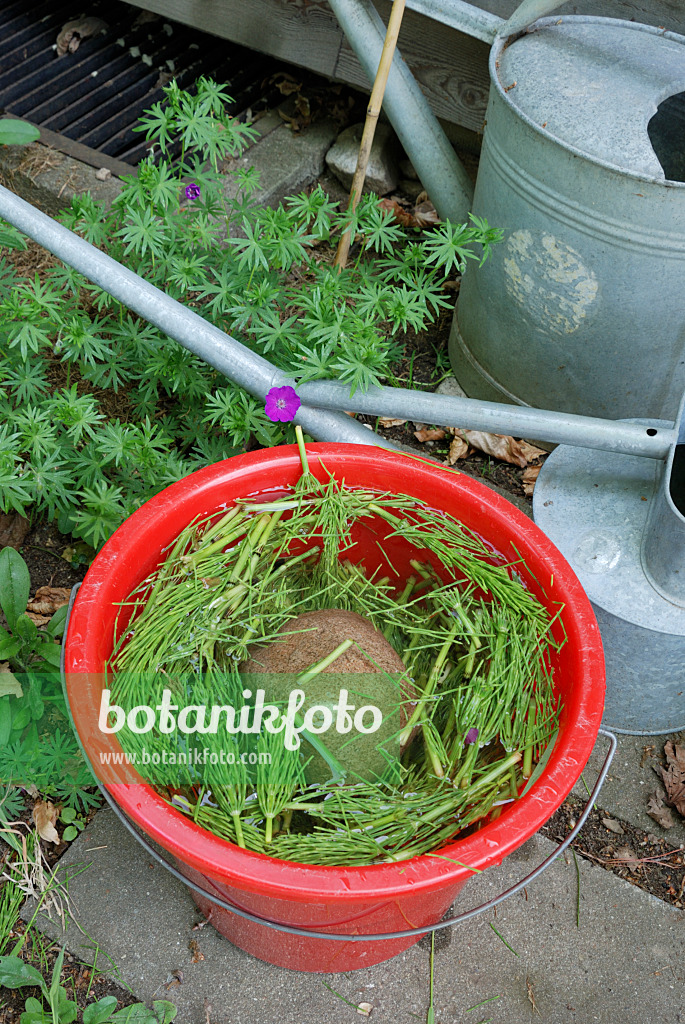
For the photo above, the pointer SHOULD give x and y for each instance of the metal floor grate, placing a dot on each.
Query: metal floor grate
(95, 95)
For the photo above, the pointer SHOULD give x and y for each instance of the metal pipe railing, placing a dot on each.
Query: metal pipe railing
(437, 165)
(320, 413)
(237, 362)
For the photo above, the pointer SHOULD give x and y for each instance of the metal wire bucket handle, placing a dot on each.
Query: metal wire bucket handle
(336, 936)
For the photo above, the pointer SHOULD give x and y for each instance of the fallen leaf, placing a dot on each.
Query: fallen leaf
(530, 475)
(425, 214)
(422, 215)
(39, 620)
(613, 826)
(74, 32)
(624, 854)
(657, 809)
(673, 776)
(429, 435)
(388, 421)
(13, 530)
(45, 816)
(458, 449)
(286, 84)
(9, 684)
(365, 1009)
(47, 600)
(501, 446)
(194, 948)
(530, 451)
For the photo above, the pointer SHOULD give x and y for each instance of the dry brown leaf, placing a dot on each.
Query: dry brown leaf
(613, 826)
(673, 776)
(422, 215)
(9, 684)
(13, 530)
(287, 85)
(39, 620)
(45, 816)
(75, 31)
(530, 452)
(458, 449)
(530, 475)
(429, 435)
(402, 216)
(501, 446)
(194, 948)
(388, 421)
(47, 600)
(657, 809)
(425, 214)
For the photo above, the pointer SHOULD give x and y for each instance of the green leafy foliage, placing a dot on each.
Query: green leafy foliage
(37, 745)
(131, 410)
(17, 133)
(60, 1009)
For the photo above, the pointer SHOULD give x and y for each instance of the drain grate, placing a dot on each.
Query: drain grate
(95, 95)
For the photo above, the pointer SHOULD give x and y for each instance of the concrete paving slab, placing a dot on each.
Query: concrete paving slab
(286, 162)
(623, 964)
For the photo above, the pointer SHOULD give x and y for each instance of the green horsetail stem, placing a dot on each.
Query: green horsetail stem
(475, 646)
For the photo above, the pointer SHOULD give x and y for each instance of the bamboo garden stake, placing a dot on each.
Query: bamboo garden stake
(372, 114)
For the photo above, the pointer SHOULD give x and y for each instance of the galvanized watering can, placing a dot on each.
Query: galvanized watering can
(582, 307)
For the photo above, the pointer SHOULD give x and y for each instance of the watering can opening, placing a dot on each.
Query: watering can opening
(666, 131)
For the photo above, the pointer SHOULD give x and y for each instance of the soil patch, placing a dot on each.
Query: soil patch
(641, 858)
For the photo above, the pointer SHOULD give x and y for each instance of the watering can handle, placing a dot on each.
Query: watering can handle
(525, 14)
(336, 937)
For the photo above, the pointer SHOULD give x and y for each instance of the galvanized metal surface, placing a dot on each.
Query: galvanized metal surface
(603, 512)
(581, 307)
(596, 84)
(558, 428)
(417, 127)
(96, 94)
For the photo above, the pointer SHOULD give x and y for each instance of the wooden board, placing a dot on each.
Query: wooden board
(450, 66)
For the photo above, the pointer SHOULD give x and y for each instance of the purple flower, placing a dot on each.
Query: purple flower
(192, 191)
(282, 404)
(471, 737)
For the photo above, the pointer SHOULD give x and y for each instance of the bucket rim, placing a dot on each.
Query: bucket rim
(223, 861)
(503, 42)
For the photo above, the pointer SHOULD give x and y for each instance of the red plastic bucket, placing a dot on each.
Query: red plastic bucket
(348, 900)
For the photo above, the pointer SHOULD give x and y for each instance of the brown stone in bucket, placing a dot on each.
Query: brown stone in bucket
(309, 637)
(313, 635)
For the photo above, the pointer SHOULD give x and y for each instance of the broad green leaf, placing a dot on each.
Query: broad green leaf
(9, 648)
(15, 585)
(6, 717)
(26, 629)
(14, 973)
(17, 133)
(136, 1014)
(69, 833)
(51, 653)
(164, 1011)
(34, 1013)
(55, 626)
(100, 1012)
(54, 992)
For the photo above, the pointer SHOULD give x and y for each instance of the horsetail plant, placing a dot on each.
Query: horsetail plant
(477, 710)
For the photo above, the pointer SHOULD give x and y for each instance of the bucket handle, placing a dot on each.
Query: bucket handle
(336, 936)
